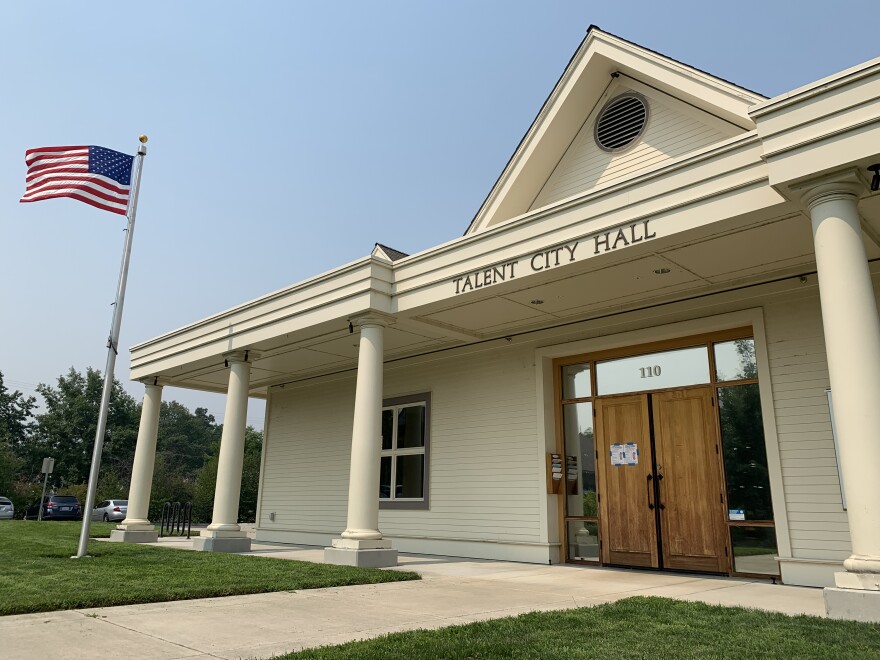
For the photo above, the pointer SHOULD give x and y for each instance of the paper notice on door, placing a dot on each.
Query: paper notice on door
(736, 514)
(624, 454)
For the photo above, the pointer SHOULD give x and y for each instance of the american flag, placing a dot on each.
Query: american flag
(94, 175)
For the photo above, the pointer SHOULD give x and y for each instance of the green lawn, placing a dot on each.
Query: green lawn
(632, 628)
(38, 575)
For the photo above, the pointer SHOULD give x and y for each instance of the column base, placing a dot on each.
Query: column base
(222, 541)
(362, 554)
(134, 535)
(852, 604)
(861, 581)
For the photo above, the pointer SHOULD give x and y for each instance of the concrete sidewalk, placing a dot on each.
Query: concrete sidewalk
(452, 591)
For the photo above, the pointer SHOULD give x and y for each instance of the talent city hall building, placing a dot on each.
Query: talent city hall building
(656, 345)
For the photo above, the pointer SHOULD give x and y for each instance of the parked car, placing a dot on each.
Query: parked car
(110, 510)
(55, 507)
(7, 509)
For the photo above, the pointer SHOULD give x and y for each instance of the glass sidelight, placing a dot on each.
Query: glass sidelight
(750, 509)
(579, 467)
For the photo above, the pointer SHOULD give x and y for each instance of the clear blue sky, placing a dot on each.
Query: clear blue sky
(288, 137)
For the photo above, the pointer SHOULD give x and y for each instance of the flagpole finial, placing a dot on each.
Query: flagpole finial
(143, 139)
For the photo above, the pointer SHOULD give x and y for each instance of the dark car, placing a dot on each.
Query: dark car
(56, 507)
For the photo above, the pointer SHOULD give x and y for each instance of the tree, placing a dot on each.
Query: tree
(16, 424)
(203, 496)
(186, 439)
(66, 430)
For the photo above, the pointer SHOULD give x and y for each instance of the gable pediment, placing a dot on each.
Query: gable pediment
(673, 128)
(558, 158)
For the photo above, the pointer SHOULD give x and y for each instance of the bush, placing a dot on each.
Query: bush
(24, 493)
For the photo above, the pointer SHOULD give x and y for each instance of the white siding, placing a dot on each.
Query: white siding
(486, 467)
(484, 454)
(799, 371)
(671, 132)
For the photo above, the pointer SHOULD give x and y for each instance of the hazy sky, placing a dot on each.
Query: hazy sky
(286, 138)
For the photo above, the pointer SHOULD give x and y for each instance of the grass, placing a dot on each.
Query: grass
(633, 628)
(38, 575)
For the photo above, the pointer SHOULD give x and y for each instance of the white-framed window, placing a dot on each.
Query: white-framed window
(403, 471)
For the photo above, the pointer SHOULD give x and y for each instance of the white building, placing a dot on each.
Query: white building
(627, 359)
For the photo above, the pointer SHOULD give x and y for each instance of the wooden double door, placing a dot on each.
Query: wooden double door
(661, 500)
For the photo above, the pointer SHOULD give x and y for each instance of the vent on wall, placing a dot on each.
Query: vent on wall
(621, 122)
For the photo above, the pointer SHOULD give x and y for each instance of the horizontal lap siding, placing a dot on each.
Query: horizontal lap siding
(484, 463)
(669, 134)
(484, 456)
(799, 371)
(305, 475)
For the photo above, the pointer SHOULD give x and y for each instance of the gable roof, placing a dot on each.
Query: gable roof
(585, 80)
(389, 253)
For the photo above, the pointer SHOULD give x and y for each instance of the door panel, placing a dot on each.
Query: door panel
(628, 527)
(689, 480)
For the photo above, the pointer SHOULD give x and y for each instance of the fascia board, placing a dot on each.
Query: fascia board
(598, 56)
(729, 189)
(212, 345)
(714, 173)
(829, 124)
(572, 77)
(859, 92)
(331, 279)
(700, 89)
(817, 88)
(354, 288)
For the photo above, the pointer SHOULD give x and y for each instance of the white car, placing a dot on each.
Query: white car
(110, 510)
(7, 509)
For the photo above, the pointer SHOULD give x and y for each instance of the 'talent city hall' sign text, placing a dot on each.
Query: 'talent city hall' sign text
(583, 248)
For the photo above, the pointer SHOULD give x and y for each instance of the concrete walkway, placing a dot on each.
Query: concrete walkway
(452, 591)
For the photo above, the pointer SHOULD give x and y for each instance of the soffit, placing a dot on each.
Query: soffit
(727, 255)
(283, 360)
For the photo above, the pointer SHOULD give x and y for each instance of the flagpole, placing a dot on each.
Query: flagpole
(112, 351)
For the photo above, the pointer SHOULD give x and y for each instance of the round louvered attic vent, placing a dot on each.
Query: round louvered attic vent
(621, 122)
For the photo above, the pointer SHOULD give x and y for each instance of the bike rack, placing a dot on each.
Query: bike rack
(176, 518)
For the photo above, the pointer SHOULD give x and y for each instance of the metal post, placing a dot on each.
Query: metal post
(42, 497)
(47, 469)
(112, 350)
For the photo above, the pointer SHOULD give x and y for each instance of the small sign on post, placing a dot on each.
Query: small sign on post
(48, 466)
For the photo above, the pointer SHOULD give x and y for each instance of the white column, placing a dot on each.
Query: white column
(224, 533)
(852, 342)
(366, 436)
(362, 543)
(137, 527)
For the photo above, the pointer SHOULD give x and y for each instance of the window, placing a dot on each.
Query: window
(403, 473)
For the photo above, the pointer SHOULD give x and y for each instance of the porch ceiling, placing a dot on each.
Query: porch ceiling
(725, 255)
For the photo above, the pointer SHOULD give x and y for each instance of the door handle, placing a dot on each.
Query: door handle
(650, 488)
(660, 504)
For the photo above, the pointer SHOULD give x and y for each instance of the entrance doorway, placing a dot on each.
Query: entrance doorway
(661, 461)
(661, 500)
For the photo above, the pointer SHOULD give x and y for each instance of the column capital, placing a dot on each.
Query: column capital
(842, 184)
(244, 355)
(373, 319)
(155, 381)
